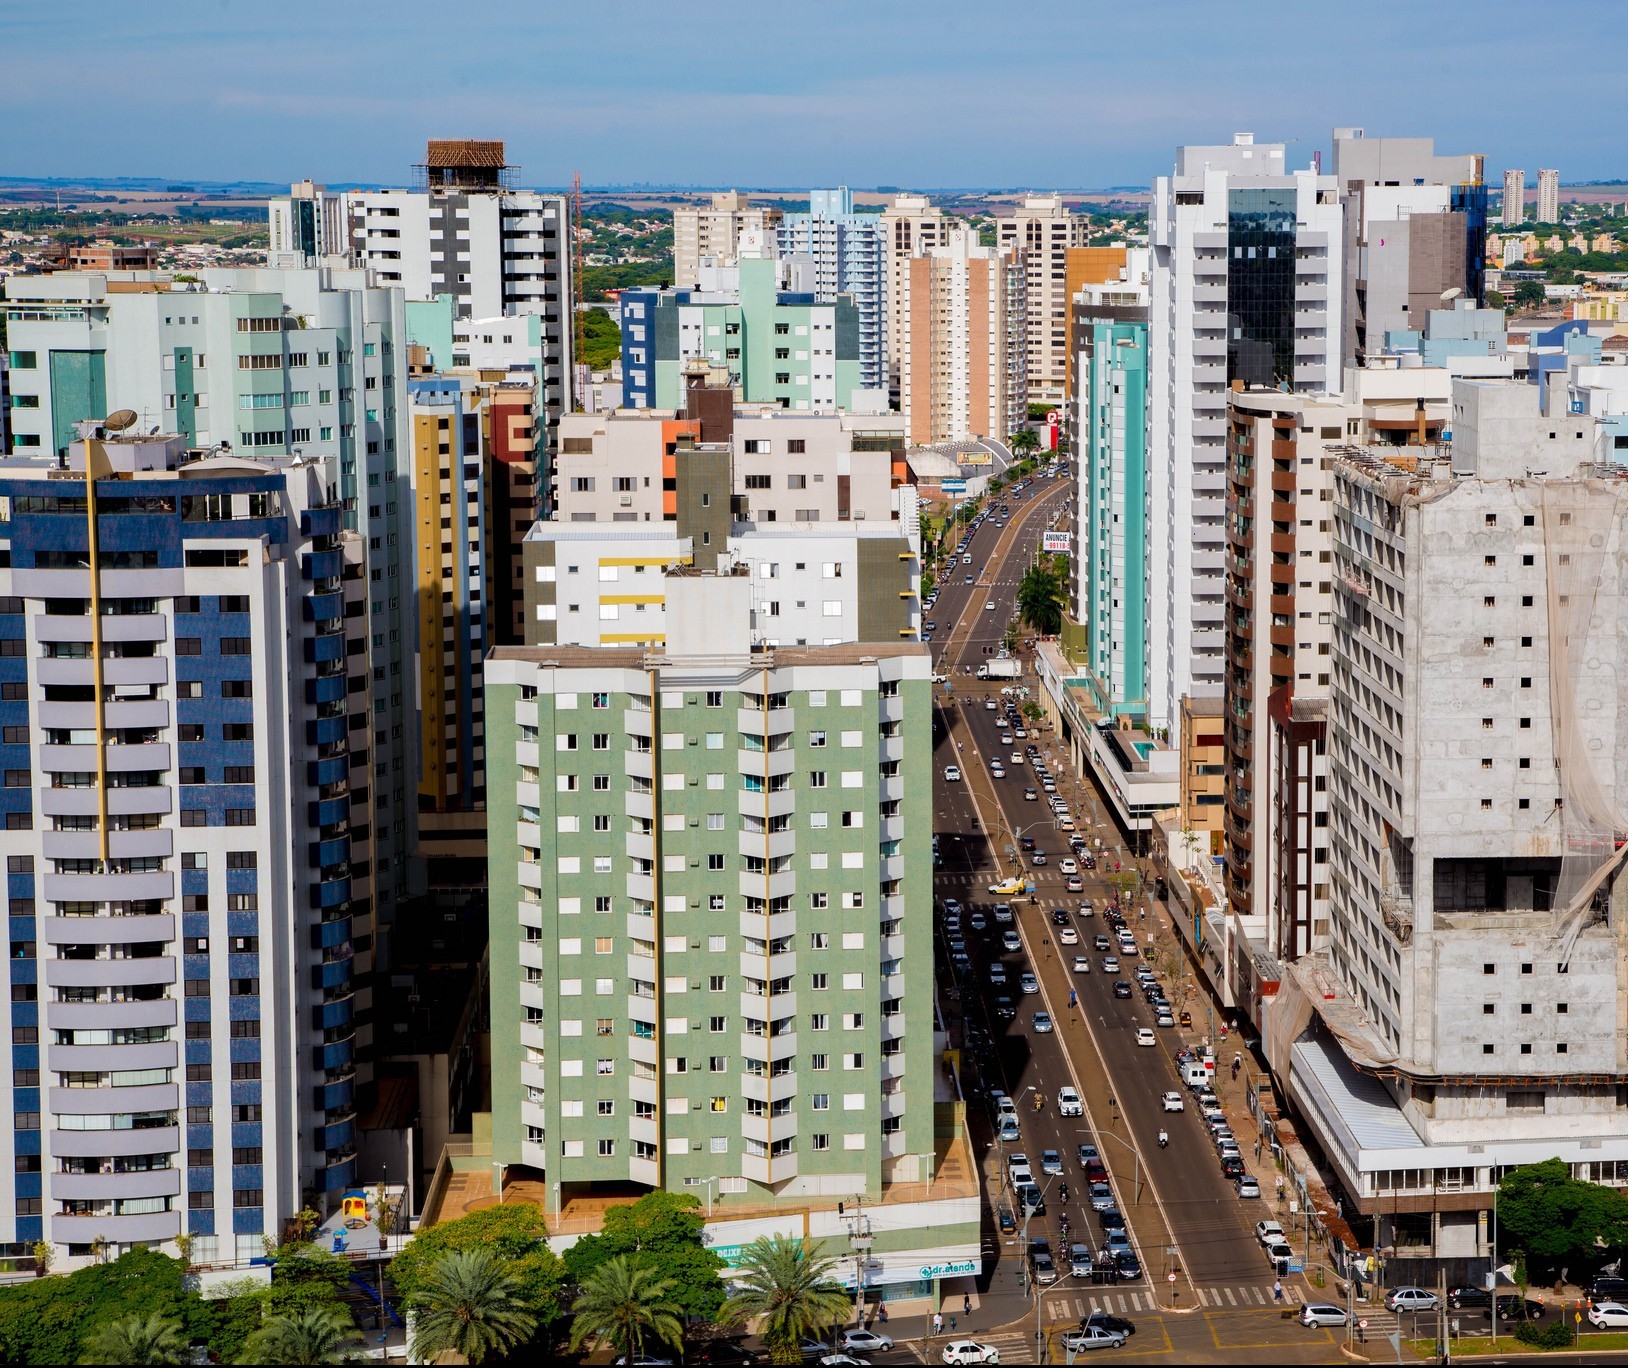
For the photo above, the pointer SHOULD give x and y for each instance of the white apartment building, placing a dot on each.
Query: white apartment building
(310, 226)
(466, 233)
(1043, 230)
(187, 891)
(1548, 195)
(848, 252)
(1245, 287)
(912, 225)
(962, 357)
(300, 362)
(713, 231)
(1514, 211)
(1465, 1016)
(813, 584)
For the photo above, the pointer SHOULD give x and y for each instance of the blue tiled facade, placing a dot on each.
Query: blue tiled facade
(201, 815)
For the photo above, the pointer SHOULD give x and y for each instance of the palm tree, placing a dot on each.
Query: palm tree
(1024, 439)
(469, 1305)
(1040, 599)
(151, 1338)
(622, 1302)
(786, 1285)
(305, 1335)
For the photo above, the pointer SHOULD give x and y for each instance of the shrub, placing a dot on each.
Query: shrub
(1554, 1335)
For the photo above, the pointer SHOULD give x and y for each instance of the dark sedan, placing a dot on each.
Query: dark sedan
(1115, 1325)
(1121, 989)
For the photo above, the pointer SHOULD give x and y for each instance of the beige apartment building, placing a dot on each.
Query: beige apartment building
(961, 358)
(714, 230)
(912, 226)
(1043, 230)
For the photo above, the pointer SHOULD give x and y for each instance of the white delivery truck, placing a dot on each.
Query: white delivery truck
(1001, 669)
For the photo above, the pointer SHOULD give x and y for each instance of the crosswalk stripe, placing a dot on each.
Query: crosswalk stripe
(1230, 1298)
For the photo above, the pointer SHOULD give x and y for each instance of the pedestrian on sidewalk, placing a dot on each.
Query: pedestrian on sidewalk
(1277, 1291)
(966, 1304)
(882, 1314)
(952, 1322)
(938, 1322)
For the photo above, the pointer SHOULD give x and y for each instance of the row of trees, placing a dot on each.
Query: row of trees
(479, 1288)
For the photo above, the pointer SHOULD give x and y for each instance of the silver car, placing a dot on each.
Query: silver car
(1322, 1314)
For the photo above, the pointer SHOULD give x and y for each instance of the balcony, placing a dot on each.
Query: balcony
(119, 1230)
(331, 933)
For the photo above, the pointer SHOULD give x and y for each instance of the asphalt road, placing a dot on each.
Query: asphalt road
(1185, 1218)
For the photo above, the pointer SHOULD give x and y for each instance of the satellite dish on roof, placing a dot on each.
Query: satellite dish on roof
(119, 421)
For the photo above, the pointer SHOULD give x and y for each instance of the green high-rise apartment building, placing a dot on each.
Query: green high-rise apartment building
(712, 930)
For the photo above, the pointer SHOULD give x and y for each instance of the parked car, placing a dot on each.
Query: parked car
(970, 1351)
(1247, 1187)
(1093, 1337)
(865, 1341)
(1608, 1315)
(1515, 1308)
(1172, 1102)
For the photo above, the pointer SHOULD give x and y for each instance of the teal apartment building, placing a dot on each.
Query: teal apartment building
(1108, 595)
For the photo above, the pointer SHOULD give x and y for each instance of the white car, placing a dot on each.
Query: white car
(1068, 1103)
(1145, 1036)
(1172, 1102)
(865, 1340)
(1082, 964)
(997, 770)
(952, 773)
(1268, 1232)
(1608, 1315)
(990, 606)
(1068, 936)
(1068, 866)
(970, 1351)
(1017, 756)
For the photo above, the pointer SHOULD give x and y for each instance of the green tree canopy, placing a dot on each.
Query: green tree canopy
(661, 1231)
(1023, 440)
(50, 1320)
(788, 1287)
(468, 1304)
(1529, 294)
(625, 1305)
(305, 1335)
(1556, 1219)
(139, 1339)
(601, 339)
(514, 1231)
(1040, 598)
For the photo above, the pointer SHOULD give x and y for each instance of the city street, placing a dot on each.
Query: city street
(1206, 1284)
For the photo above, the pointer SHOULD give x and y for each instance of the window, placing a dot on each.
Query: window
(816, 779)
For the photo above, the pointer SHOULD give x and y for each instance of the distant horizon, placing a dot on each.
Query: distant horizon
(1066, 92)
(251, 187)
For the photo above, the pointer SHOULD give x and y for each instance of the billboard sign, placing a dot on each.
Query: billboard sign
(953, 486)
(1054, 541)
(973, 458)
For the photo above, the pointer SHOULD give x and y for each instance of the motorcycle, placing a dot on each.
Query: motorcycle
(1164, 1140)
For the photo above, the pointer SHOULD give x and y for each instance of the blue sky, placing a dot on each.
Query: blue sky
(1071, 93)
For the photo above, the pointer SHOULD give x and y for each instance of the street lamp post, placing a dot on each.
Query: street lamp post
(1136, 1155)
